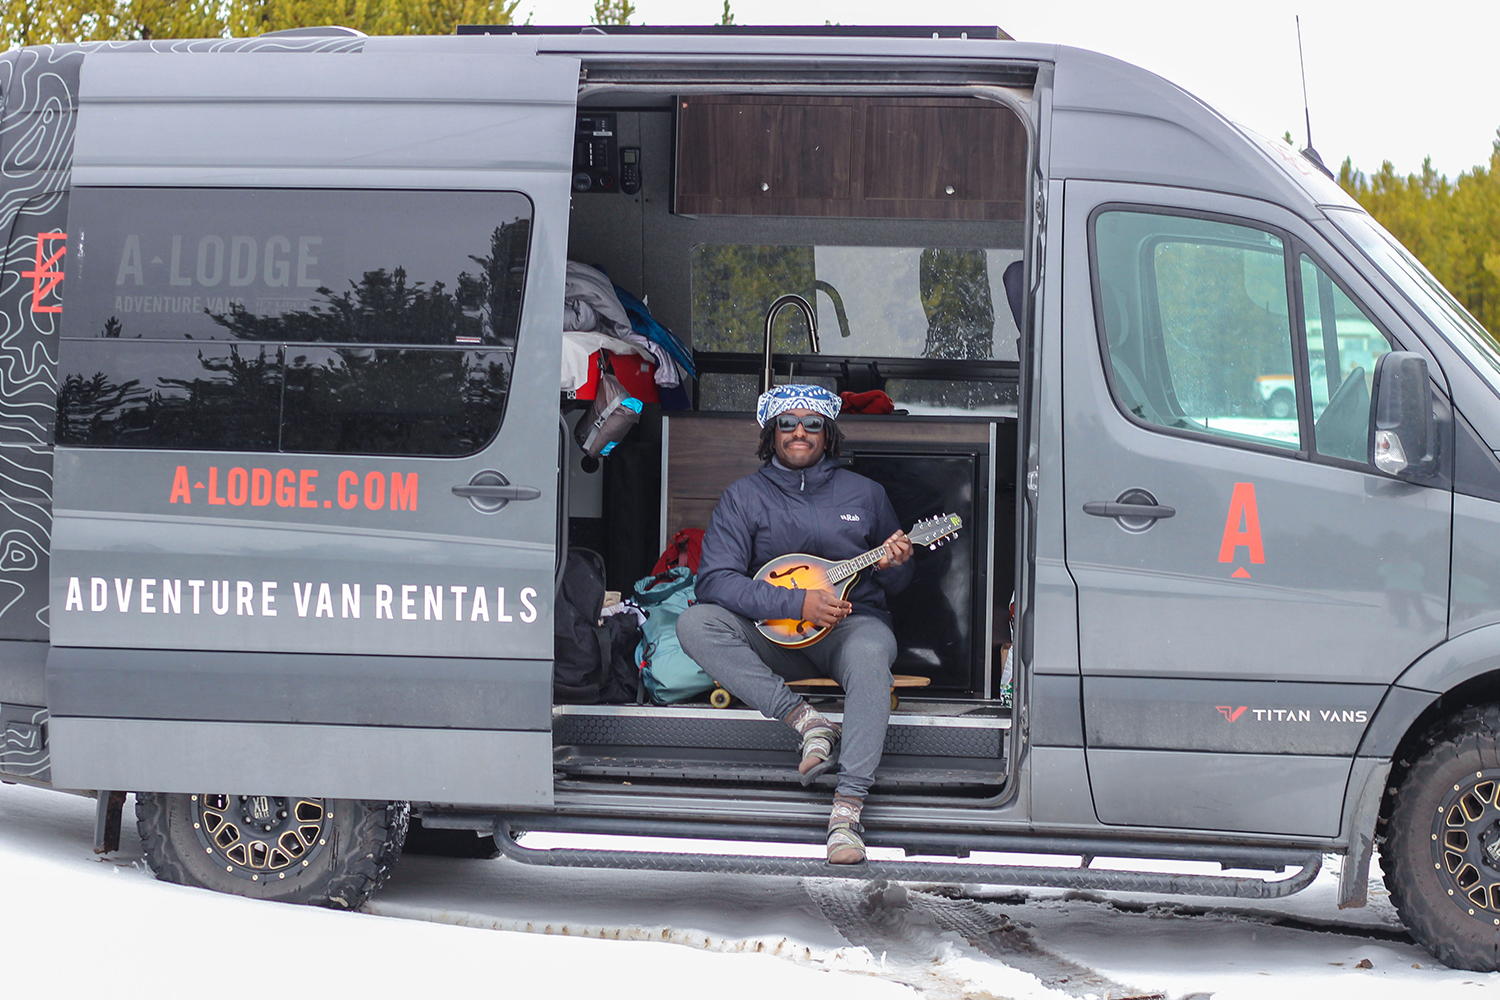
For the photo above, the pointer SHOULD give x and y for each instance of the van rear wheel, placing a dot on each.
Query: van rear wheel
(1442, 851)
(296, 849)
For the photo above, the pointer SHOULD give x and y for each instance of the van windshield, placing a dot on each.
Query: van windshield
(1461, 329)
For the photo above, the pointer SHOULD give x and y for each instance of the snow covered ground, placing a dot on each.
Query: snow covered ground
(509, 929)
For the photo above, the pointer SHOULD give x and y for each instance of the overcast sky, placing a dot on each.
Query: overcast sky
(1382, 86)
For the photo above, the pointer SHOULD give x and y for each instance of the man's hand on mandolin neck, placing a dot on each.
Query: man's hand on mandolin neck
(897, 551)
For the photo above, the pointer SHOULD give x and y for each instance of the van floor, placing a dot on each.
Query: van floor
(932, 745)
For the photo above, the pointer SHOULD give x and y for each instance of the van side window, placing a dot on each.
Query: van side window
(351, 322)
(1197, 326)
(1343, 344)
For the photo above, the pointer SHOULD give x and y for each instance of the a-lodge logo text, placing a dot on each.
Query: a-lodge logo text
(239, 486)
(1232, 712)
(397, 602)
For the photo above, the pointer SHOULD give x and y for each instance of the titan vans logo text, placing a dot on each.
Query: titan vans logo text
(1231, 713)
(295, 488)
(258, 598)
(1242, 529)
(45, 277)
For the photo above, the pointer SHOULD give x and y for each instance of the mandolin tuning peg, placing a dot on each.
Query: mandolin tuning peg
(932, 547)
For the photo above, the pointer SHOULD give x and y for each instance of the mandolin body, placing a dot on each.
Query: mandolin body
(799, 571)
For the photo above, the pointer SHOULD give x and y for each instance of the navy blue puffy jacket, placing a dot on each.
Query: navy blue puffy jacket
(824, 511)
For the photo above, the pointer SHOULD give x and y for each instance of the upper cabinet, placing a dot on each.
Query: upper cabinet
(853, 157)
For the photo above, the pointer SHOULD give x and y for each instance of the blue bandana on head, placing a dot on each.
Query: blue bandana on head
(781, 398)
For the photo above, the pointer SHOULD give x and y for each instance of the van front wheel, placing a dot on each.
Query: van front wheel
(296, 849)
(1442, 851)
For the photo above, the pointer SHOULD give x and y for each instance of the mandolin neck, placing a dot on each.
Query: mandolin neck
(841, 571)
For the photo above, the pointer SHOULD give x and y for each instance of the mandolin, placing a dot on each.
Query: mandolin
(800, 571)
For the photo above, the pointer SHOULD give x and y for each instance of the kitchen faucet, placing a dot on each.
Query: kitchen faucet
(791, 299)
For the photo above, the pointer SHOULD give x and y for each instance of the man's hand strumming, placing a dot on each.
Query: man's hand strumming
(824, 609)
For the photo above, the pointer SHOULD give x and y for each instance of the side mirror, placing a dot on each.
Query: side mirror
(1402, 442)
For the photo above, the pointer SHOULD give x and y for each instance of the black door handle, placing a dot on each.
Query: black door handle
(484, 492)
(489, 492)
(1135, 510)
(1113, 508)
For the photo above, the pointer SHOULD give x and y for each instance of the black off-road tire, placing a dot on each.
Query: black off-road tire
(1442, 846)
(349, 853)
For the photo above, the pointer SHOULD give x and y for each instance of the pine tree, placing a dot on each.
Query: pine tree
(36, 22)
(613, 11)
(1452, 227)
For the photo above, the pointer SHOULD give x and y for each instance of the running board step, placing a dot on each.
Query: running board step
(896, 773)
(957, 873)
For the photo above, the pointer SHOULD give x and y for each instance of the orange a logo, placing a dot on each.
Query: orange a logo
(44, 277)
(1242, 528)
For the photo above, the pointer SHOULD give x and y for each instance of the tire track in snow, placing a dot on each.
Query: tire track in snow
(913, 932)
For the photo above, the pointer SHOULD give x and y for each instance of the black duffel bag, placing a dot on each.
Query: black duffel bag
(593, 663)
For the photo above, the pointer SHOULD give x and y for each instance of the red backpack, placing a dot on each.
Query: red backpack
(685, 549)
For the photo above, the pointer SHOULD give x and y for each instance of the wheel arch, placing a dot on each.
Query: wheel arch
(1451, 676)
(1454, 675)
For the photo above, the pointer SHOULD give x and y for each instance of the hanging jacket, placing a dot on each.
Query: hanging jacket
(824, 511)
(645, 325)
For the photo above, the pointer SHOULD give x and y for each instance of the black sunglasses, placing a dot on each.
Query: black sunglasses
(786, 423)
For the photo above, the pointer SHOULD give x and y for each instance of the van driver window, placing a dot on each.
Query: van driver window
(1196, 322)
(350, 322)
(1343, 344)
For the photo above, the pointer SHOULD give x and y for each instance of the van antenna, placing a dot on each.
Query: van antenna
(1309, 152)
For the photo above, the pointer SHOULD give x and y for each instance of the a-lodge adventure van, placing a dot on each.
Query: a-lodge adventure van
(286, 491)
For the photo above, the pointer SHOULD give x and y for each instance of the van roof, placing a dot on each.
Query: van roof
(811, 30)
(1110, 120)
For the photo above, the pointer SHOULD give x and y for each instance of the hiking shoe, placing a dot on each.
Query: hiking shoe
(846, 842)
(820, 740)
(820, 746)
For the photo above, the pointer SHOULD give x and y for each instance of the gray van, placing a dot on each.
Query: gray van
(286, 488)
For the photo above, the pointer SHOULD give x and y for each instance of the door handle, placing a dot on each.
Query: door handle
(489, 492)
(498, 492)
(1112, 508)
(1135, 510)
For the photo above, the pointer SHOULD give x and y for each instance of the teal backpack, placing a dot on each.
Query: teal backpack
(670, 675)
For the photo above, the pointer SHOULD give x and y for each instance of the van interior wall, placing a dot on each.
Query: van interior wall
(644, 247)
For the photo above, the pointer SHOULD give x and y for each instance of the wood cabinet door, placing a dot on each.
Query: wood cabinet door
(850, 157)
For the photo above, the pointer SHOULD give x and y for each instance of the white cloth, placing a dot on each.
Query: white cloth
(590, 304)
(577, 348)
(626, 607)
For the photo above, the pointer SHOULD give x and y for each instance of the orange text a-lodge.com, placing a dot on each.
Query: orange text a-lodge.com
(294, 488)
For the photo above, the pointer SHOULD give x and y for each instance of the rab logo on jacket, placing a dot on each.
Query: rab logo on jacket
(849, 517)
(1242, 528)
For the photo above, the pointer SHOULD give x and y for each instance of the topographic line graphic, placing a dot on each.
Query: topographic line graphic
(40, 87)
(23, 742)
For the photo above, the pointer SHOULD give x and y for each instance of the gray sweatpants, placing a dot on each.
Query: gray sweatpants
(858, 653)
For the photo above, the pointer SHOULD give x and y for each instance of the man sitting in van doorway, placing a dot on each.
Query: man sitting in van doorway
(802, 500)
